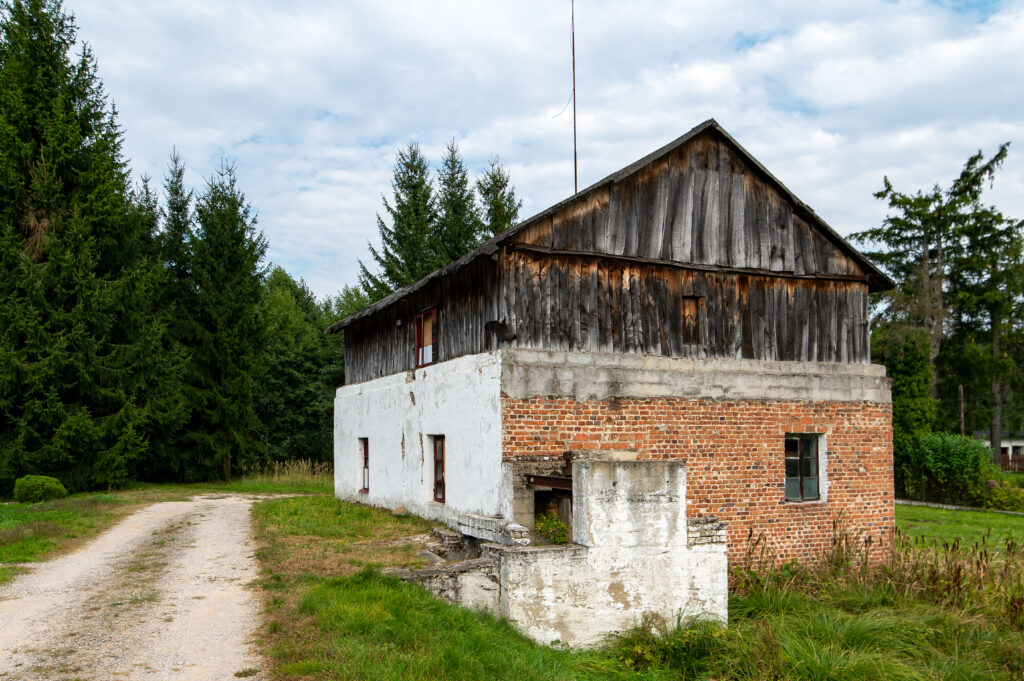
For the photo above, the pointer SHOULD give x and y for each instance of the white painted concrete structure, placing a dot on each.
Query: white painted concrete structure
(397, 415)
(634, 558)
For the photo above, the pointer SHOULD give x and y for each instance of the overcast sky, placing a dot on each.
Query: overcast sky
(310, 100)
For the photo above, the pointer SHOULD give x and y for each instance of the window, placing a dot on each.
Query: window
(802, 468)
(426, 338)
(693, 315)
(439, 468)
(364, 445)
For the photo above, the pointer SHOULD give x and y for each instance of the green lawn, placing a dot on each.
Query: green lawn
(938, 524)
(30, 532)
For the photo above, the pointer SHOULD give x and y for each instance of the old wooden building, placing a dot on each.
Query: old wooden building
(686, 308)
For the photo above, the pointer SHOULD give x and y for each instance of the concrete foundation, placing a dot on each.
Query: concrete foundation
(587, 376)
(635, 558)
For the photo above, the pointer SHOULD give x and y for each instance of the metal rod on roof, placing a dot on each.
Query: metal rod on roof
(572, 34)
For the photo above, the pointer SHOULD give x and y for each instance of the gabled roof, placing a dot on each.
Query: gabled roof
(877, 280)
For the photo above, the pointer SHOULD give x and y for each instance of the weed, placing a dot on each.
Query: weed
(551, 527)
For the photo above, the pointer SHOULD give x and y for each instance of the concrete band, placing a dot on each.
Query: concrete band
(602, 376)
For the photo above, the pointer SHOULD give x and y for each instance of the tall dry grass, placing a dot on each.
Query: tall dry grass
(300, 473)
(984, 577)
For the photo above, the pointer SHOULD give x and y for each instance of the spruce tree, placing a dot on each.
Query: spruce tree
(429, 229)
(170, 453)
(459, 228)
(407, 250)
(500, 207)
(76, 286)
(294, 405)
(226, 336)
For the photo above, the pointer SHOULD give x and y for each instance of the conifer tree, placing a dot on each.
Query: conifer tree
(959, 266)
(916, 244)
(226, 337)
(177, 229)
(429, 229)
(76, 286)
(459, 228)
(500, 207)
(407, 250)
(294, 405)
(170, 454)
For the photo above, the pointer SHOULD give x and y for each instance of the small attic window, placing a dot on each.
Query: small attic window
(426, 337)
(693, 319)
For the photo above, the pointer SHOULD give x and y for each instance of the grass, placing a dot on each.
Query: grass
(31, 532)
(1016, 479)
(942, 525)
(330, 617)
(950, 606)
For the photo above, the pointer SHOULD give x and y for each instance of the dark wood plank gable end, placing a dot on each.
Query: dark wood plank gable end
(696, 253)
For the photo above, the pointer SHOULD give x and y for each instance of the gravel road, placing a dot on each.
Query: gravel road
(161, 595)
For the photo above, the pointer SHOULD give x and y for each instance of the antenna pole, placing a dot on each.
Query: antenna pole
(572, 34)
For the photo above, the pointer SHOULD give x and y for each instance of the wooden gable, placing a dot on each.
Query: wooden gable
(694, 251)
(702, 203)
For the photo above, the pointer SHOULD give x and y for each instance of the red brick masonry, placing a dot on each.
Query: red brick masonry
(735, 460)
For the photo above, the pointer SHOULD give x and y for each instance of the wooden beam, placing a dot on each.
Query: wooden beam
(543, 250)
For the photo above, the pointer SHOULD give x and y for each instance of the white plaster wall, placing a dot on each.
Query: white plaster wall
(632, 558)
(580, 595)
(460, 399)
(625, 502)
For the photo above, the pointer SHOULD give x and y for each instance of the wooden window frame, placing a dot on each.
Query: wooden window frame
(420, 346)
(796, 459)
(365, 447)
(438, 457)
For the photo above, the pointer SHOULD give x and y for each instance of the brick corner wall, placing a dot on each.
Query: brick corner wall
(734, 451)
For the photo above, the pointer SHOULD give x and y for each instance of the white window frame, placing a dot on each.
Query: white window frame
(822, 455)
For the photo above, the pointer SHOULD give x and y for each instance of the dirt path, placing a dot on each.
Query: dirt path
(161, 595)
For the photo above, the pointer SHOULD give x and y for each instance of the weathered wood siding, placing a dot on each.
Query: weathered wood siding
(378, 345)
(594, 304)
(697, 254)
(700, 204)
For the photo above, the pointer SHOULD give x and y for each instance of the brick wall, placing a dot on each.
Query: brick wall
(735, 460)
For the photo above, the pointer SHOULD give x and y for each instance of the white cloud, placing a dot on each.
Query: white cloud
(312, 102)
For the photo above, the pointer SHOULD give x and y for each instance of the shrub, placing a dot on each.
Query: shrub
(950, 469)
(1005, 497)
(551, 527)
(34, 488)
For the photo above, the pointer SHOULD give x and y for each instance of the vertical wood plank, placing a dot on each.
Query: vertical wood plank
(682, 221)
(711, 226)
(787, 237)
(659, 215)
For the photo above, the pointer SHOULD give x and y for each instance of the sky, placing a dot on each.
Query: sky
(311, 100)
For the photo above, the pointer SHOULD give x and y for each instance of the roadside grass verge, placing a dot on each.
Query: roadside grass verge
(34, 532)
(31, 532)
(330, 614)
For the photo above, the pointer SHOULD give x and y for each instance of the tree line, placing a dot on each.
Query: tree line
(143, 335)
(951, 333)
